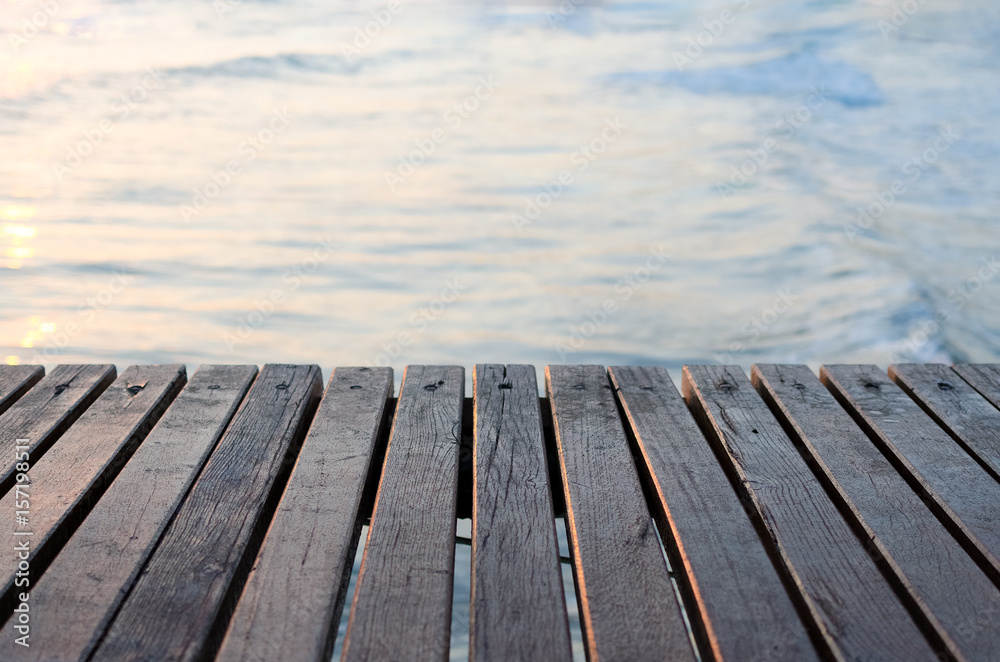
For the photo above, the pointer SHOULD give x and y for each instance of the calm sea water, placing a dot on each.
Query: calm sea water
(472, 183)
(622, 182)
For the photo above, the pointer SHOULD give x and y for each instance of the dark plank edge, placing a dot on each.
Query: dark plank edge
(43, 418)
(907, 377)
(970, 542)
(15, 380)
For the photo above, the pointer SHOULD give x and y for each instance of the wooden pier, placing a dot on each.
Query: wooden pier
(776, 516)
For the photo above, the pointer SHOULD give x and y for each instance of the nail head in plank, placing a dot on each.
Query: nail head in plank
(723, 559)
(15, 380)
(958, 488)
(181, 602)
(966, 415)
(48, 409)
(74, 601)
(927, 559)
(858, 614)
(984, 377)
(518, 608)
(71, 476)
(402, 600)
(628, 607)
(293, 598)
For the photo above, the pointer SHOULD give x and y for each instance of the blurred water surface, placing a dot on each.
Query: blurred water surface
(499, 183)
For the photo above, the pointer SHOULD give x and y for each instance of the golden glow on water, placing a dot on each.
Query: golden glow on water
(13, 360)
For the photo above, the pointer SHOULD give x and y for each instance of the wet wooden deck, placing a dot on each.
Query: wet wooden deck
(775, 516)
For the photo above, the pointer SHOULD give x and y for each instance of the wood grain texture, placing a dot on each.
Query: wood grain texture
(71, 476)
(292, 602)
(628, 607)
(518, 608)
(83, 587)
(737, 598)
(984, 377)
(959, 490)
(180, 604)
(402, 601)
(857, 613)
(968, 417)
(49, 408)
(946, 585)
(15, 380)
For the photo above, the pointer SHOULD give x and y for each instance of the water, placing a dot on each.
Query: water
(108, 254)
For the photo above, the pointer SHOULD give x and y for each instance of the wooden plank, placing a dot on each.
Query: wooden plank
(180, 604)
(955, 596)
(959, 490)
(15, 380)
(48, 410)
(968, 417)
(74, 601)
(402, 601)
(716, 546)
(518, 608)
(293, 599)
(984, 377)
(628, 607)
(71, 476)
(856, 611)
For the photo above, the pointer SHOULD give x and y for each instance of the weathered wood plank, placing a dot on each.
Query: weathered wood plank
(959, 490)
(66, 481)
(984, 377)
(957, 407)
(628, 607)
(293, 599)
(48, 409)
(716, 545)
(402, 601)
(842, 589)
(180, 604)
(518, 609)
(955, 596)
(15, 380)
(74, 601)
